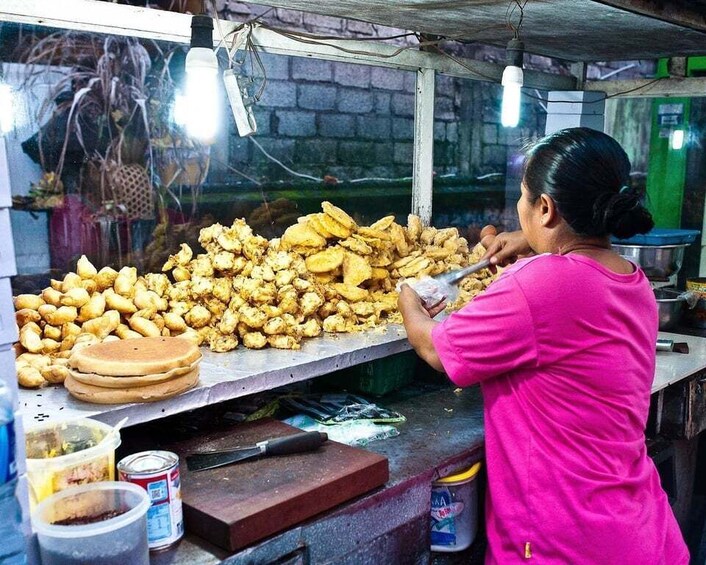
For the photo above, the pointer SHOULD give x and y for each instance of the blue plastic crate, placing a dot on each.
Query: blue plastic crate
(661, 236)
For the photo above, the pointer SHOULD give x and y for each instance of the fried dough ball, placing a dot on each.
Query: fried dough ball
(253, 317)
(114, 301)
(29, 377)
(202, 266)
(125, 281)
(85, 269)
(254, 340)
(335, 324)
(283, 342)
(75, 297)
(198, 317)
(174, 322)
(105, 278)
(27, 315)
(222, 343)
(181, 274)
(52, 332)
(311, 328)
(51, 296)
(181, 258)
(229, 322)
(28, 302)
(92, 309)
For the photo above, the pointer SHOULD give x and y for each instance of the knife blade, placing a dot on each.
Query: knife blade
(295, 443)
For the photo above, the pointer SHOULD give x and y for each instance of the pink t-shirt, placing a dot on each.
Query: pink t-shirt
(564, 350)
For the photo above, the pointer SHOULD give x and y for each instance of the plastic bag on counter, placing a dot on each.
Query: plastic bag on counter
(431, 291)
(357, 433)
(340, 407)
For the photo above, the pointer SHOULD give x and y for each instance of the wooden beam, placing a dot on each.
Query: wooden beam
(650, 88)
(679, 13)
(118, 19)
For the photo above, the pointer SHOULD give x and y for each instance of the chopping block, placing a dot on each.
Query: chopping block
(237, 505)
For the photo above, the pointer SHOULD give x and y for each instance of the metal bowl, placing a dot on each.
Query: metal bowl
(671, 307)
(657, 261)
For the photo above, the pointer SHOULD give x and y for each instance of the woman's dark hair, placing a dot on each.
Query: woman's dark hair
(587, 174)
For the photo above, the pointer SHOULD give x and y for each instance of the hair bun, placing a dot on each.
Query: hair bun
(622, 214)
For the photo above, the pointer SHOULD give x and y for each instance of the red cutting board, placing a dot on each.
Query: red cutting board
(237, 505)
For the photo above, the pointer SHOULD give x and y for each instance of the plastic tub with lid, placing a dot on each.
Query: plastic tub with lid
(118, 538)
(66, 454)
(454, 511)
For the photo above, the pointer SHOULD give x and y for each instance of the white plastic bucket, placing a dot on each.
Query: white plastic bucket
(454, 511)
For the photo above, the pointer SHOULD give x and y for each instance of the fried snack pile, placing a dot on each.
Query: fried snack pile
(326, 274)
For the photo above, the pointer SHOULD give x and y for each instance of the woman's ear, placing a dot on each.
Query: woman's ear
(548, 211)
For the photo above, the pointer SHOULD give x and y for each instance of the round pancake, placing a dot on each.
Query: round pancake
(135, 357)
(130, 382)
(148, 393)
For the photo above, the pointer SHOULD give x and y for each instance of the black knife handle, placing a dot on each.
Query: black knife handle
(296, 443)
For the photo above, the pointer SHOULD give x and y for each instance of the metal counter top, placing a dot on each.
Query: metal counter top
(225, 376)
(242, 372)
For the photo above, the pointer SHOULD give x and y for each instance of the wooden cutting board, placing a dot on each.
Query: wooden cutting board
(237, 505)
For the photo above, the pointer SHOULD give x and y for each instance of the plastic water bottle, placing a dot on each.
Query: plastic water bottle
(12, 542)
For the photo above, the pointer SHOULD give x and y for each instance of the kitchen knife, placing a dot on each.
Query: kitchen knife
(295, 443)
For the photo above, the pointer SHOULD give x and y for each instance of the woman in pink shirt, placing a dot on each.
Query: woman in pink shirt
(563, 346)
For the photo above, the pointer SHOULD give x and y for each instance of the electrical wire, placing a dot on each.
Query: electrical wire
(512, 7)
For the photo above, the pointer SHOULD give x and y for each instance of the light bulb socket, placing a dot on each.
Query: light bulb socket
(202, 31)
(515, 52)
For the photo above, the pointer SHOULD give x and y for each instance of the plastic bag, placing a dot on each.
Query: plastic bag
(357, 433)
(431, 291)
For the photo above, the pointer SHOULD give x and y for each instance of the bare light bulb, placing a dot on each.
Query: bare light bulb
(201, 106)
(512, 93)
(677, 139)
(512, 84)
(199, 110)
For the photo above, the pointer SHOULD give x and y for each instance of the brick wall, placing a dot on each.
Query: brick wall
(352, 121)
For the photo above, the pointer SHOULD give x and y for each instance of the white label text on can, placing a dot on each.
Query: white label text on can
(165, 522)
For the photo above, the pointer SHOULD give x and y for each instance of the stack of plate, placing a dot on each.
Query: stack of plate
(133, 370)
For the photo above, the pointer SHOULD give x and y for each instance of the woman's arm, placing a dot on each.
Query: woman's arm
(418, 323)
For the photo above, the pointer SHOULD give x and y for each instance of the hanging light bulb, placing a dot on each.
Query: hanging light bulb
(199, 110)
(677, 139)
(512, 84)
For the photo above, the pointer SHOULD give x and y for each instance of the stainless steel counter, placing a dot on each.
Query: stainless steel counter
(225, 376)
(242, 372)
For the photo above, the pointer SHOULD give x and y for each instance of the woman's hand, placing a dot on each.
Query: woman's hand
(504, 248)
(418, 324)
(409, 302)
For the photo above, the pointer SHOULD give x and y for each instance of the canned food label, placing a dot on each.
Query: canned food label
(8, 465)
(158, 491)
(443, 517)
(165, 522)
(159, 523)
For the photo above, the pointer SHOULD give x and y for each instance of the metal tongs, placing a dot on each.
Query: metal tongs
(455, 276)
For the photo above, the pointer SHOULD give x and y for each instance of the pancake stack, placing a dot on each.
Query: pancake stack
(134, 370)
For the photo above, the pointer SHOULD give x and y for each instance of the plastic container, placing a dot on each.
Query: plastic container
(69, 454)
(120, 540)
(454, 511)
(379, 377)
(661, 236)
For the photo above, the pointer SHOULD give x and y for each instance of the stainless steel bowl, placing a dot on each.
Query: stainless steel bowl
(657, 261)
(671, 307)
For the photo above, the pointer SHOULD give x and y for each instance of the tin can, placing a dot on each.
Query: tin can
(158, 473)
